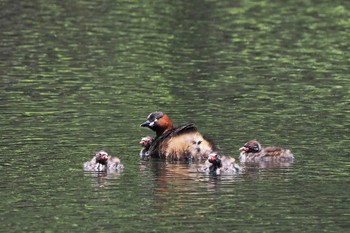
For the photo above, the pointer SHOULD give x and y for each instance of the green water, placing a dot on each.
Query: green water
(81, 76)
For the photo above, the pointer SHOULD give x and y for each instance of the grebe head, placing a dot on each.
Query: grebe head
(252, 146)
(146, 141)
(158, 122)
(101, 157)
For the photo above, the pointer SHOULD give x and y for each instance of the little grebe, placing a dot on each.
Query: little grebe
(253, 152)
(179, 143)
(145, 143)
(220, 164)
(102, 161)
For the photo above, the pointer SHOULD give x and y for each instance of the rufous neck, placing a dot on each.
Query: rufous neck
(165, 124)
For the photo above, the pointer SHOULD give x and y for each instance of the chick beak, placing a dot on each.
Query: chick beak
(243, 148)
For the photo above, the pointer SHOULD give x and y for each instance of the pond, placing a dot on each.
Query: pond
(78, 77)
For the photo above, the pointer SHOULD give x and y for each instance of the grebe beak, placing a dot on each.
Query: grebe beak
(145, 124)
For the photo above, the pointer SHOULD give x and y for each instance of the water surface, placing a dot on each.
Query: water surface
(81, 76)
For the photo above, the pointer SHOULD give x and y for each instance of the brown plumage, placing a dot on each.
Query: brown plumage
(253, 152)
(180, 143)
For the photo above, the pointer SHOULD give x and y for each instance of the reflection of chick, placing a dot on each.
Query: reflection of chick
(102, 161)
(217, 164)
(145, 143)
(253, 152)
